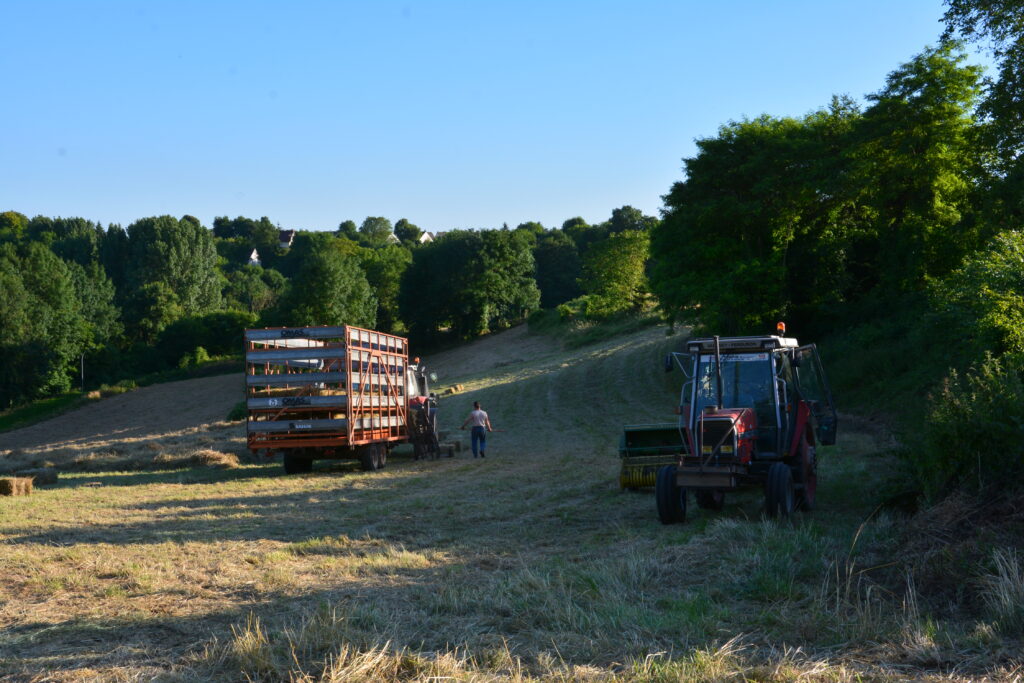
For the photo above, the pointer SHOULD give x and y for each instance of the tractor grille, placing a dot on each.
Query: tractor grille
(718, 432)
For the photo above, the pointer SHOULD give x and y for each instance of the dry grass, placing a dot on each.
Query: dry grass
(530, 565)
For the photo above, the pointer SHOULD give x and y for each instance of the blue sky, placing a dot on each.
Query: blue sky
(450, 114)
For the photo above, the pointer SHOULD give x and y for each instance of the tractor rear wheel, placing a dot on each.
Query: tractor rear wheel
(808, 477)
(669, 496)
(779, 493)
(297, 464)
(710, 500)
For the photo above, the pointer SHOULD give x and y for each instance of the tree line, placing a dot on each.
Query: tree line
(165, 292)
(892, 228)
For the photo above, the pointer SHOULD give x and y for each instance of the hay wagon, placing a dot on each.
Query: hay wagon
(335, 392)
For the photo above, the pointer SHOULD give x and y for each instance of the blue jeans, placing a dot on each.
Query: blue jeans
(478, 439)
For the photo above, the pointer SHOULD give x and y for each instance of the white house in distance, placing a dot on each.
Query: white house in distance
(286, 237)
(254, 258)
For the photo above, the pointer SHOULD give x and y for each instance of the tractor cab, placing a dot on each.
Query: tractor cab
(422, 413)
(758, 383)
(417, 381)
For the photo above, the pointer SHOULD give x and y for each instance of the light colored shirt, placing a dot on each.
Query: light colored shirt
(478, 418)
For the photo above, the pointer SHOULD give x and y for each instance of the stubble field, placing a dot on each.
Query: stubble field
(197, 564)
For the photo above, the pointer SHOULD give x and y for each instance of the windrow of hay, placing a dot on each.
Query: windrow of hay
(15, 486)
(41, 476)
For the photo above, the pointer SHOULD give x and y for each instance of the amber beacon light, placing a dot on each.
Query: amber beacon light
(780, 328)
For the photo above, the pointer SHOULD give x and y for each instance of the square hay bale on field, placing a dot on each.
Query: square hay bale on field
(15, 486)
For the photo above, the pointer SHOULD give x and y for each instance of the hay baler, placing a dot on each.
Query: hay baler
(752, 412)
(335, 392)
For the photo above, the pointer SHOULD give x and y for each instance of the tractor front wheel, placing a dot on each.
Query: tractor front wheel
(710, 500)
(669, 496)
(779, 492)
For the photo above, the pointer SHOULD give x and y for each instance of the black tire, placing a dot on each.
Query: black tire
(382, 456)
(807, 496)
(779, 491)
(710, 500)
(297, 464)
(368, 459)
(670, 498)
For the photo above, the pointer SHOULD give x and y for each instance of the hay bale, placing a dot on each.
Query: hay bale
(15, 486)
(40, 476)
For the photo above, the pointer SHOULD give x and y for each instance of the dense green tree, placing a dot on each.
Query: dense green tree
(984, 298)
(384, 268)
(308, 243)
(95, 293)
(999, 26)
(762, 226)
(374, 231)
(44, 332)
(113, 254)
(13, 226)
(557, 268)
(507, 277)
(149, 309)
(584, 235)
(348, 230)
(916, 162)
(468, 282)
(408, 233)
(614, 278)
(330, 288)
(253, 288)
(629, 218)
(178, 254)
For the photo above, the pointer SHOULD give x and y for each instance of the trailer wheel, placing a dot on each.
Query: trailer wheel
(808, 477)
(710, 500)
(670, 497)
(297, 464)
(369, 461)
(779, 493)
(382, 456)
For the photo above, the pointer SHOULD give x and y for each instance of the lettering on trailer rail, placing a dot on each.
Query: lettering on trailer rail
(289, 333)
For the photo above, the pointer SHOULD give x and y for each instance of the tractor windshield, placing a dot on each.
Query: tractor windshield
(746, 382)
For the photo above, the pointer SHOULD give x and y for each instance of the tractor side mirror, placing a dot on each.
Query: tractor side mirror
(669, 363)
(794, 359)
(433, 376)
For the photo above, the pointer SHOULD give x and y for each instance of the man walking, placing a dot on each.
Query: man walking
(481, 424)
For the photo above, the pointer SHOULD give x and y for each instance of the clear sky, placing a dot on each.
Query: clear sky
(451, 114)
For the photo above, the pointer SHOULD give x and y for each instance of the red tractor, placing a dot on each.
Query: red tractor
(752, 412)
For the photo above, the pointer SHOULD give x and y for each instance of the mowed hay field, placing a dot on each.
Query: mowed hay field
(528, 565)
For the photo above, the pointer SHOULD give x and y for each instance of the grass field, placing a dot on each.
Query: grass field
(529, 564)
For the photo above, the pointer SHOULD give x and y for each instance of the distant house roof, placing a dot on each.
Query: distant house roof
(392, 238)
(426, 237)
(254, 258)
(286, 237)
